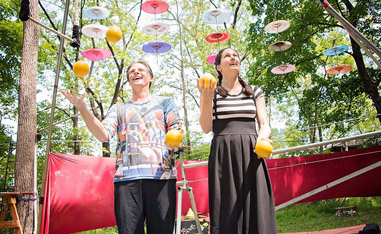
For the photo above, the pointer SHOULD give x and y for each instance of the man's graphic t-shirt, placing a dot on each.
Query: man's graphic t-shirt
(141, 129)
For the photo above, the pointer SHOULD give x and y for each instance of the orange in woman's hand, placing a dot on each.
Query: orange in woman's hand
(209, 79)
(264, 148)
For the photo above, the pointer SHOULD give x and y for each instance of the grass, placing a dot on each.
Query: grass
(321, 215)
(315, 216)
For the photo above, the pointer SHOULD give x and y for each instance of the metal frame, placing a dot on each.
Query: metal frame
(353, 32)
(185, 187)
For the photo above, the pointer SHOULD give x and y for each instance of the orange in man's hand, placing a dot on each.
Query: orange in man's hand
(173, 138)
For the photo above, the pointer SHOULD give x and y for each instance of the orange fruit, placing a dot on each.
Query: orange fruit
(263, 148)
(209, 79)
(80, 68)
(114, 34)
(173, 138)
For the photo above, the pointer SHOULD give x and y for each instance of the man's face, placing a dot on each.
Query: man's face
(138, 75)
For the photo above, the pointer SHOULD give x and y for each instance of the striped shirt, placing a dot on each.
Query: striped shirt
(236, 106)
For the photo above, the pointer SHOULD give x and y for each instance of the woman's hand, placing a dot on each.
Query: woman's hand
(78, 102)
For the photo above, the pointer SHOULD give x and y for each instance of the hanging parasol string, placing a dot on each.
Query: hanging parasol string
(50, 29)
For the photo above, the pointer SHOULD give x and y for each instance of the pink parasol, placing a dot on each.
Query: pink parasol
(339, 69)
(283, 69)
(155, 7)
(211, 58)
(96, 54)
(217, 37)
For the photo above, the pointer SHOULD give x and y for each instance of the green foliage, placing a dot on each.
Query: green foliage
(321, 215)
(327, 106)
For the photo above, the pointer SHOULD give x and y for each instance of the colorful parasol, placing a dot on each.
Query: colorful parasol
(277, 26)
(216, 16)
(96, 13)
(340, 69)
(156, 28)
(280, 46)
(336, 50)
(156, 47)
(211, 58)
(283, 69)
(155, 7)
(95, 30)
(96, 54)
(217, 37)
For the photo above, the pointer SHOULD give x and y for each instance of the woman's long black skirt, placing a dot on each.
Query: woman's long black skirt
(240, 193)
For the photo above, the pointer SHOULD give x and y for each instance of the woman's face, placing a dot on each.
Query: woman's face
(229, 62)
(138, 75)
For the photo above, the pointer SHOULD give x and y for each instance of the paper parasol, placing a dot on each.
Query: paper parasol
(336, 50)
(277, 26)
(96, 13)
(95, 30)
(340, 69)
(217, 37)
(96, 54)
(155, 7)
(280, 46)
(156, 47)
(216, 16)
(283, 69)
(211, 58)
(156, 28)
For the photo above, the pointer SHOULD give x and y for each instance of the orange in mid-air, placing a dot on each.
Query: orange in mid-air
(114, 34)
(80, 68)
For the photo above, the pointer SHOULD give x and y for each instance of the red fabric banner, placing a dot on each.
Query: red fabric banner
(79, 189)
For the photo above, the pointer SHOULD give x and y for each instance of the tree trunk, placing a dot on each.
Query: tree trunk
(370, 87)
(26, 134)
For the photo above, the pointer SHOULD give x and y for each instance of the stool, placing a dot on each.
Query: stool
(9, 204)
(341, 210)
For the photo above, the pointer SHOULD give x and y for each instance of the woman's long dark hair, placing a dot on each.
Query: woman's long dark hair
(221, 90)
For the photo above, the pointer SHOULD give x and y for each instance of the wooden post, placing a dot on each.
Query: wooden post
(9, 204)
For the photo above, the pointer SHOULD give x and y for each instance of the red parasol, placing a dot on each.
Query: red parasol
(217, 37)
